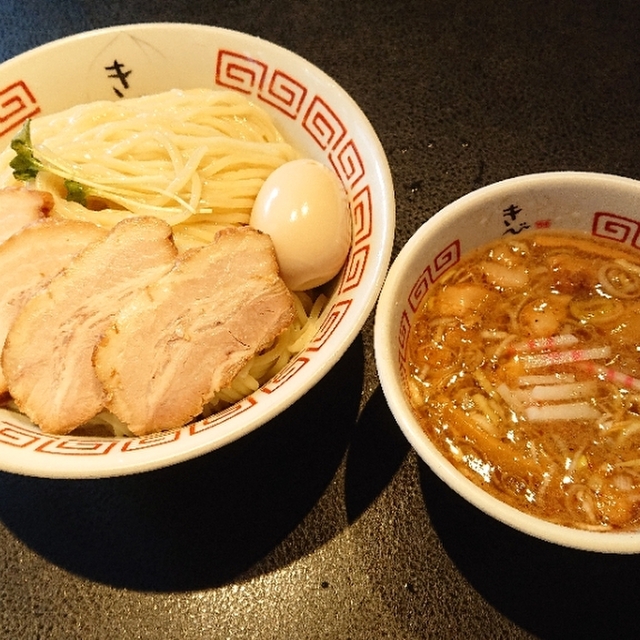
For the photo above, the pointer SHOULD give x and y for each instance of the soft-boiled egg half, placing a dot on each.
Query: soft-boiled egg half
(303, 206)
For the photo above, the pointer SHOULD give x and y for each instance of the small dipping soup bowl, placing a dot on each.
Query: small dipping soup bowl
(602, 205)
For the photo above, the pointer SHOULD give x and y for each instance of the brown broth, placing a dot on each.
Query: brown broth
(524, 371)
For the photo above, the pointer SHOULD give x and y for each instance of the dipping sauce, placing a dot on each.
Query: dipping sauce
(525, 373)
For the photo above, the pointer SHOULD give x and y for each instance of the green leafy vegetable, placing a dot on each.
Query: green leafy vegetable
(25, 166)
(76, 192)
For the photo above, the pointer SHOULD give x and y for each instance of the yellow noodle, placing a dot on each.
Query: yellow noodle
(172, 155)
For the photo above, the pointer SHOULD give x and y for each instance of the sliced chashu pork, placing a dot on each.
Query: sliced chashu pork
(31, 257)
(20, 207)
(189, 334)
(47, 357)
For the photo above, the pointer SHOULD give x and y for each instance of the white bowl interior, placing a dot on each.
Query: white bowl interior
(603, 205)
(313, 113)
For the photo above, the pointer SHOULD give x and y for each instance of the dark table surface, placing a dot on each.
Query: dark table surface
(324, 524)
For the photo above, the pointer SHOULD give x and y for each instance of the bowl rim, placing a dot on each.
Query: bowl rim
(359, 313)
(385, 348)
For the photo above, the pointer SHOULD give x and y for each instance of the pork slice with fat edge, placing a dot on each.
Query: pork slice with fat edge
(189, 334)
(20, 207)
(31, 257)
(47, 356)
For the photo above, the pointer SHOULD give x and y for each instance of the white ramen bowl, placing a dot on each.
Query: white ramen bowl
(315, 114)
(602, 205)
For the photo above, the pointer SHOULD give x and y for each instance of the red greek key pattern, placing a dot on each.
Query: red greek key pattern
(15, 436)
(445, 259)
(284, 93)
(285, 374)
(404, 374)
(323, 124)
(615, 227)
(362, 215)
(419, 289)
(449, 256)
(17, 104)
(329, 133)
(239, 72)
(252, 76)
(145, 442)
(77, 446)
(404, 331)
(332, 319)
(403, 335)
(222, 416)
(354, 269)
(348, 164)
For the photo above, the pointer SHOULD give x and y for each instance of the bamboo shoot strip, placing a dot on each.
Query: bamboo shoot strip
(544, 393)
(553, 378)
(572, 411)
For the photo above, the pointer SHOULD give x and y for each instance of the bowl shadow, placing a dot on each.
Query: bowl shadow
(200, 523)
(549, 590)
(376, 452)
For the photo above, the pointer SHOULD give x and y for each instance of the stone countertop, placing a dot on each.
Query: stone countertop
(323, 523)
